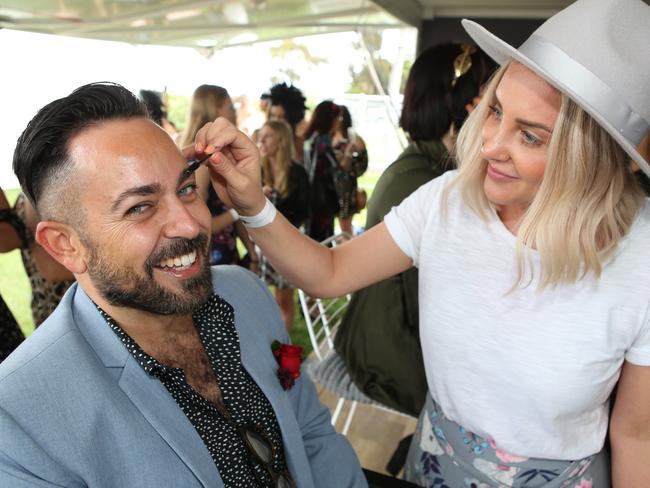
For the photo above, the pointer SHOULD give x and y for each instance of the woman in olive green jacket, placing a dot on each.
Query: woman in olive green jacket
(378, 340)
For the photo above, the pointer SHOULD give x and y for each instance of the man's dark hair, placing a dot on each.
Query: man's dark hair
(41, 158)
(291, 100)
(154, 102)
(433, 98)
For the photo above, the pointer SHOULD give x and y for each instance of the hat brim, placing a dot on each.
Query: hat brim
(501, 52)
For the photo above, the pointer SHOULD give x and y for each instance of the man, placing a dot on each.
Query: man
(155, 370)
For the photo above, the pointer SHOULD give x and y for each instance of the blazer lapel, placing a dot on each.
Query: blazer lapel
(148, 394)
(163, 413)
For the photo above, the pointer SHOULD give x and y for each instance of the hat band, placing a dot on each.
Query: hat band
(590, 90)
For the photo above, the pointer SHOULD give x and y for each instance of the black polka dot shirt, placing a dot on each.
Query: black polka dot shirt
(243, 399)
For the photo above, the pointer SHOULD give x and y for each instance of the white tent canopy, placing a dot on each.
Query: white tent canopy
(222, 23)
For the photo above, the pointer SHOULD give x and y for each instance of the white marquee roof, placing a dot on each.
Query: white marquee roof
(222, 23)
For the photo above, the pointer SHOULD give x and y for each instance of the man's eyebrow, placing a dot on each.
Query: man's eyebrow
(136, 191)
(184, 175)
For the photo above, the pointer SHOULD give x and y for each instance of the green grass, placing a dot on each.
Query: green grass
(16, 292)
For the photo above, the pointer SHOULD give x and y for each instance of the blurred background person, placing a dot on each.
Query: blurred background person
(209, 102)
(158, 112)
(286, 102)
(249, 117)
(10, 238)
(350, 150)
(322, 167)
(49, 279)
(379, 340)
(287, 186)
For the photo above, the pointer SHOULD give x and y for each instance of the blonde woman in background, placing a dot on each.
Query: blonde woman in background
(209, 102)
(286, 185)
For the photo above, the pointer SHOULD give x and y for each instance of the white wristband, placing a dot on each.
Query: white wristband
(265, 217)
(234, 214)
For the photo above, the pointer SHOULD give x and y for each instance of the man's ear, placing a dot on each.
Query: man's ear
(63, 244)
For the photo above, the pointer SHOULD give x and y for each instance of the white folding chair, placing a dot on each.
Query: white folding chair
(322, 317)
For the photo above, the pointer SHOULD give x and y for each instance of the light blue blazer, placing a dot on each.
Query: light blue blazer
(77, 410)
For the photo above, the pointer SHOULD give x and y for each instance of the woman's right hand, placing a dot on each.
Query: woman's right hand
(234, 165)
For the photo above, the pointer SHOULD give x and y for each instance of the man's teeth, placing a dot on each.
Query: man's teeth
(180, 262)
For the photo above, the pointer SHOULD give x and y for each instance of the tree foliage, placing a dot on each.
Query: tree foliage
(294, 58)
(362, 81)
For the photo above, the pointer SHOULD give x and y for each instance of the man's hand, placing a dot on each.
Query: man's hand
(234, 166)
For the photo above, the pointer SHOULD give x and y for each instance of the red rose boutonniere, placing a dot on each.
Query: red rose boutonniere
(289, 358)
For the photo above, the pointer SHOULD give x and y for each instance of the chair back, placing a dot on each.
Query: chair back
(324, 315)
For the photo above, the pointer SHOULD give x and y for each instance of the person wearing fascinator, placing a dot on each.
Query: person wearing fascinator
(533, 261)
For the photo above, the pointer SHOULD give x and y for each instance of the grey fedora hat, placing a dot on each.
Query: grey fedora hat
(598, 53)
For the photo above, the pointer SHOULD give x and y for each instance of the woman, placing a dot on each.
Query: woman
(208, 103)
(10, 238)
(533, 262)
(350, 150)
(323, 170)
(287, 186)
(378, 339)
(49, 280)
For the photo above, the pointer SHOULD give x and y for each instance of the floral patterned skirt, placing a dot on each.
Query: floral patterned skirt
(445, 455)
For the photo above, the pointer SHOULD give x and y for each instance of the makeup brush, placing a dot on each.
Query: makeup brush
(193, 164)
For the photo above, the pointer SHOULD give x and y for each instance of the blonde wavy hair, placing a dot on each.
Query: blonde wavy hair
(585, 204)
(277, 175)
(207, 104)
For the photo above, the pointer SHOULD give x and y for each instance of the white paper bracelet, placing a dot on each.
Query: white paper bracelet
(265, 217)
(234, 214)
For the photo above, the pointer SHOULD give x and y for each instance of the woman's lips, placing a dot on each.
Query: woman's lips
(498, 175)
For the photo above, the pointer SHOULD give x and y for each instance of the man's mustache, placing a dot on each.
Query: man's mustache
(176, 247)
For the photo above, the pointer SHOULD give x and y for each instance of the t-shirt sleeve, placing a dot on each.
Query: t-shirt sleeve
(406, 222)
(639, 353)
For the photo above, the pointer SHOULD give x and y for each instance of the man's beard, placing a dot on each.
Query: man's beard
(124, 287)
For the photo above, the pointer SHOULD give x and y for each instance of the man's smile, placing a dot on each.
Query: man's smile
(179, 262)
(182, 266)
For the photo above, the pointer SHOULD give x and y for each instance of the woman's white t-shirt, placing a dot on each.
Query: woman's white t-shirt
(531, 370)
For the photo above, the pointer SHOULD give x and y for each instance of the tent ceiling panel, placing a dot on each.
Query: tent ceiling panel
(198, 23)
(413, 12)
(492, 8)
(222, 23)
